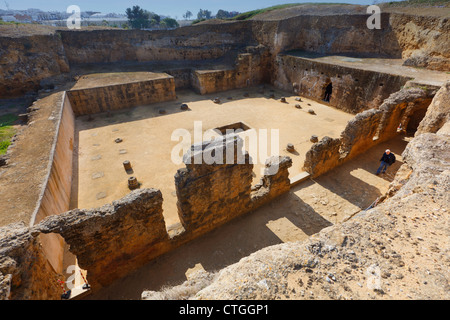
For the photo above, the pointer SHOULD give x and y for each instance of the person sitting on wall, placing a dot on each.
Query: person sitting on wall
(387, 159)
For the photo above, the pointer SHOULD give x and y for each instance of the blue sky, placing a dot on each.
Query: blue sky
(173, 8)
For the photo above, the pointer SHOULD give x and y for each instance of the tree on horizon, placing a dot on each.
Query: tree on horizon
(187, 15)
(204, 14)
(138, 18)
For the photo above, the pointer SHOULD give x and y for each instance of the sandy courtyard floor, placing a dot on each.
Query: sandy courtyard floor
(100, 177)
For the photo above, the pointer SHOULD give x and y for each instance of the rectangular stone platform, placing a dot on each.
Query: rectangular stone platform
(113, 91)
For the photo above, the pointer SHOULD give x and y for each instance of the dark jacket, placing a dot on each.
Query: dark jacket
(390, 159)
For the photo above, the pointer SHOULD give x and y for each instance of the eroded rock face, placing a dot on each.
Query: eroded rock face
(438, 113)
(27, 57)
(353, 90)
(209, 195)
(26, 60)
(113, 239)
(424, 40)
(397, 250)
(25, 273)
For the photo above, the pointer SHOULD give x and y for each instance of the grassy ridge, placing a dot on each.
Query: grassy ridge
(250, 14)
(406, 3)
(7, 23)
(414, 3)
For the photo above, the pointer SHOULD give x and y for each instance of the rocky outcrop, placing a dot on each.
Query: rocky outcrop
(438, 113)
(210, 195)
(423, 39)
(114, 239)
(25, 273)
(26, 60)
(404, 110)
(396, 250)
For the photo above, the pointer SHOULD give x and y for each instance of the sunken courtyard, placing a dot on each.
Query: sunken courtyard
(231, 159)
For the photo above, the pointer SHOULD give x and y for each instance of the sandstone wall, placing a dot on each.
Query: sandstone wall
(420, 41)
(354, 90)
(182, 77)
(111, 240)
(210, 195)
(424, 40)
(329, 34)
(188, 43)
(249, 70)
(26, 60)
(369, 128)
(210, 81)
(55, 195)
(25, 273)
(438, 113)
(119, 96)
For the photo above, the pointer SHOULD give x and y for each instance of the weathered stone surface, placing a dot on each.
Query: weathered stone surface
(26, 60)
(290, 147)
(438, 113)
(211, 194)
(114, 239)
(120, 93)
(406, 107)
(25, 272)
(133, 183)
(275, 180)
(214, 193)
(354, 90)
(420, 40)
(322, 156)
(424, 40)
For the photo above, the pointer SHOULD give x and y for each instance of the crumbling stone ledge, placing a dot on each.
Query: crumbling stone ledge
(113, 239)
(369, 128)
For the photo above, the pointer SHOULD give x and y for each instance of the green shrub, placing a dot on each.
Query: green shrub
(6, 131)
(4, 146)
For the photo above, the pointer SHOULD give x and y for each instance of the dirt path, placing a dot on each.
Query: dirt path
(21, 178)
